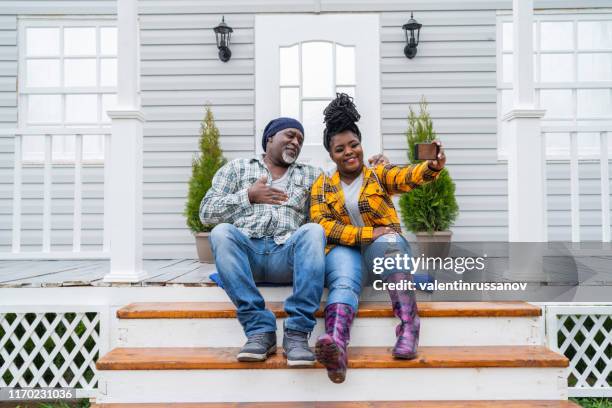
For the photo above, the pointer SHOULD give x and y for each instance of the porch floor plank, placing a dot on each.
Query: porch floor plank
(56, 273)
(82, 276)
(35, 273)
(171, 271)
(591, 271)
(198, 276)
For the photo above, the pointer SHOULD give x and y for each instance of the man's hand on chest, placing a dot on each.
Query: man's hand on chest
(261, 193)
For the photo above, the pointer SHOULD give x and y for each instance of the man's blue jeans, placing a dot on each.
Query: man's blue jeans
(347, 267)
(242, 262)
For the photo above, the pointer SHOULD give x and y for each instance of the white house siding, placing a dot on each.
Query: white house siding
(455, 69)
(180, 74)
(8, 116)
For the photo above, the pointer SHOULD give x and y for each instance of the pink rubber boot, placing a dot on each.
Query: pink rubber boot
(405, 308)
(331, 347)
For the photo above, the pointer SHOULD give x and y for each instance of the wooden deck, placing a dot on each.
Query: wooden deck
(592, 270)
(47, 273)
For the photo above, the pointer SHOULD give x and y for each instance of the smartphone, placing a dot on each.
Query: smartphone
(426, 151)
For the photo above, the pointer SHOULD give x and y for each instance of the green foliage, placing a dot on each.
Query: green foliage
(593, 402)
(83, 403)
(420, 129)
(431, 207)
(203, 168)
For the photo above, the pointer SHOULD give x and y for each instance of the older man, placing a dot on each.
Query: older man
(260, 206)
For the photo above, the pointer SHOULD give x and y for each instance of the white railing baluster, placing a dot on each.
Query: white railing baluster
(574, 187)
(107, 218)
(544, 186)
(78, 186)
(45, 164)
(605, 188)
(17, 172)
(46, 242)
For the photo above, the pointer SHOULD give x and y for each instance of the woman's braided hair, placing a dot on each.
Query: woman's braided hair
(340, 115)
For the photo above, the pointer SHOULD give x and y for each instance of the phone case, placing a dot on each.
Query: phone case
(426, 151)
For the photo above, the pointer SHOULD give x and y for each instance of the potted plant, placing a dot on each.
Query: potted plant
(203, 168)
(430, 210)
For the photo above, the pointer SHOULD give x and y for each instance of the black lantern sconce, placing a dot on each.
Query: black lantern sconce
(412, 40)
(223, 33)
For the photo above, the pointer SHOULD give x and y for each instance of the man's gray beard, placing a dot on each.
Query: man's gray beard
(287, 158)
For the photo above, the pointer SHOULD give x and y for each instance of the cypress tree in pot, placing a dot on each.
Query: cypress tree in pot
(203, 168)
(430, 210)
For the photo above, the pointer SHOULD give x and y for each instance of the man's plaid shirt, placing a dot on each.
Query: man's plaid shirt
(228, 200)
(379, 184)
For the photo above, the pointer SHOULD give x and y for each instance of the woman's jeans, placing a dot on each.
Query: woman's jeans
(346, 268)
(242, 262)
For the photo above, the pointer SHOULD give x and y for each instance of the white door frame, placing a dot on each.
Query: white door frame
(362, 30)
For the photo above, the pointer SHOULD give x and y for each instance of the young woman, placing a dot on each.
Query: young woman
(353, 204)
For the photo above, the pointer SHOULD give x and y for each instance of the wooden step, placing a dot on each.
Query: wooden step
(442, 324)
(357, 404)
(193, 375)
(212, 310)
(205, 358)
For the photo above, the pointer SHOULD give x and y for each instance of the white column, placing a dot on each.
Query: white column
(125, 161)
(526, 210)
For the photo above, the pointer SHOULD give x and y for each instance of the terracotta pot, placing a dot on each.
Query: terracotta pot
(434, 245)
(203, 246)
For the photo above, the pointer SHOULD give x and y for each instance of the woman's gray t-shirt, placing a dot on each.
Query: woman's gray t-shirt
(351, 200)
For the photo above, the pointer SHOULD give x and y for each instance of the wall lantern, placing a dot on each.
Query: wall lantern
(223, 33)
(411, 41)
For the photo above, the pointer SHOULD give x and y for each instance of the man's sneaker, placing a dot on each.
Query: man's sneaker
(295, 348)
(258, 347)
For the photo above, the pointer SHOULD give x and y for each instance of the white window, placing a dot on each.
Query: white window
(310, 75)
(68, 79)
(572, 72)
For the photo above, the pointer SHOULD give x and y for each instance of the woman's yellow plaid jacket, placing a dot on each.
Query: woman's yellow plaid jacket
(379, 184)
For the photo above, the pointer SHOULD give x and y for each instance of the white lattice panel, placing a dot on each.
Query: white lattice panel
(51, 349)
(584, 335)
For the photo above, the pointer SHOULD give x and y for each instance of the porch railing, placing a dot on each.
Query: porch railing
(53, 346)
(582, 333)
(47, 163)
(604, 130)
